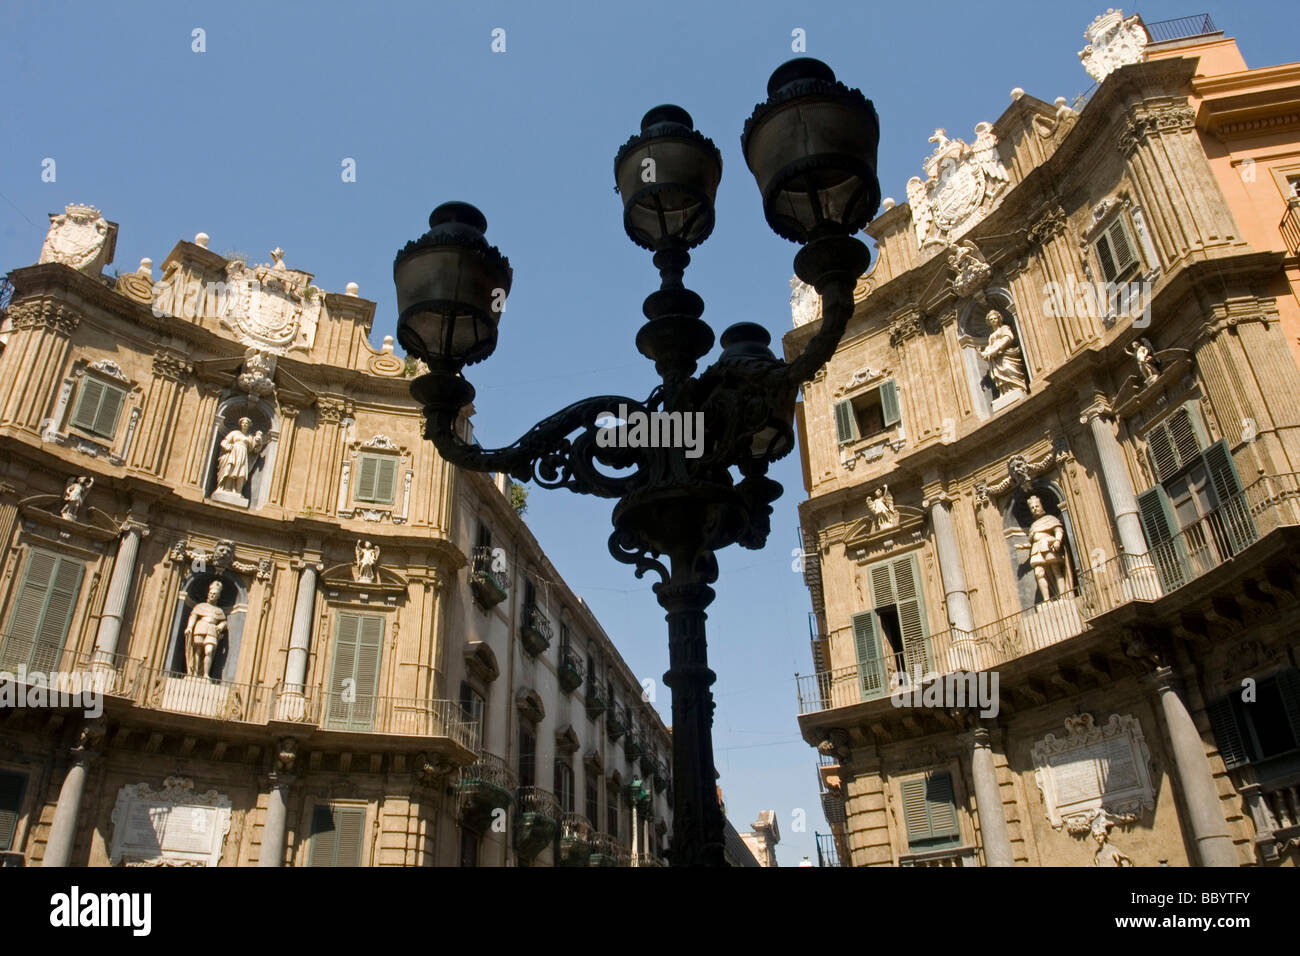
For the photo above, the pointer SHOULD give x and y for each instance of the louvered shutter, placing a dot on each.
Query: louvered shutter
(1162, 453)
(1121, 245)
(882, 586)
(889, 408)
(1227, 733)
(385, 479)
(343, 670)
(846, 426)
(88, 402)
(59, 605)
(1232, 520)
(11, 805)
(1288, 685)
(1105, 257)
(324, 837)
(911, 615)
(369, 646)
(350, 823)
(109, 406)
(1166, 549)
(942, 807)
(1184, 434)
(366, 473)
(38, 626)
(871, 673)
(915, 817)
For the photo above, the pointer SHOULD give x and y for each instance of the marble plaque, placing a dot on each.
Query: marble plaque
(173, 826)
(1094, 768)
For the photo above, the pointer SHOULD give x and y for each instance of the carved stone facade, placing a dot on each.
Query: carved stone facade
(1114, 539)
(251, 550)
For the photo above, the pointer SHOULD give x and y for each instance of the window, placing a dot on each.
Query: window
(870, 413)
(564, 785)
(336, 835)
(1194, 518)
(895, 626)
(354, 677)
(98, 406)
(527, 755)
(484, 537)
(566, 641)
(471, 702)
(1268, 727)
(42, 615)
(593, 799)
(376, 478)
(611, 808)
(12, 786)
(1116, 252)
(468, 847)
(530, 595)
(930, 812)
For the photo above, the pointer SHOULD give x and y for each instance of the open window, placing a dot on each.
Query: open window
(870, 413)
(892, 637)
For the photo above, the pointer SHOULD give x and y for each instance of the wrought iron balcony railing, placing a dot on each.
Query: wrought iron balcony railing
(570, 670)
(535, 630)
(346, 710)
(952, 856)
(827, 854)
(1181, 28)
(487, 580)
(67, 675)
(1271, 502)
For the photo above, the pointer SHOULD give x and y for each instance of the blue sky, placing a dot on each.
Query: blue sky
(245, 142)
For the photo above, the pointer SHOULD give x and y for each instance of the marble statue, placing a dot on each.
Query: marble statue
(1006, 362)
(1047, 555)
(367, 560)
(238, 451)
(203, 631)
(74, 496)
(883, 512)
(1107, 854)
(1145, 355)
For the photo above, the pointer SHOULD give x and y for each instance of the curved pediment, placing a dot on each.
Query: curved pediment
(343, 577)
(870, 534)
(530, 704)
(481, 661)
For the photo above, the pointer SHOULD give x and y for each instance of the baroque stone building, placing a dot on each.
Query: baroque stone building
(315, 643)
(1052, 475)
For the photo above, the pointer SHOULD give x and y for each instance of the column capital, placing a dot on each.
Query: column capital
(1099, 407)
(938, 496)
(133, 524)
(306, 560)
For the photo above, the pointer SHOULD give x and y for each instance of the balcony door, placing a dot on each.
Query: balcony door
(354, 677)
(42, 614)
(892, 637)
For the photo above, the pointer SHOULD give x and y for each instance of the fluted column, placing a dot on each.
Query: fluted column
(119, 590)
(1209, 830)
(956, 595)
(63, 830)
(273, 828)
(988, 801)
(1115, 476)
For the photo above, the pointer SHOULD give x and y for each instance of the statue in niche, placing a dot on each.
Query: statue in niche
(203, 632)
(883, 513)
(367, 559)
(1145, 355)
(238, 451)
(74, 496)
(1006, 362)
(1107, 853)
(1047, 551)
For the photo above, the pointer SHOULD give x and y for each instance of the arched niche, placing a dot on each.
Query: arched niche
(264, 418)
(1017, 519)
(234, 601)
(974, 329)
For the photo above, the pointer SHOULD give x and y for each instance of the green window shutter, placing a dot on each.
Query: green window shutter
(386, 479)
(1227, 733)
(350, 823)
(1185, 436)
(1233, 521)
(915, 817)
(889, 403)
(88, 401)
(1104, 256)
(911, 615)
(882, 586)
(11, 805)
(357, 652)
(942, 807)
(1162, 453)
(324, 837)
(109, 407)
(871, 673)
(1167, 549)
(1288, 685)
(1121, 246)
(1223, 472)
(38, 626)
(846, 425)
(366, 473)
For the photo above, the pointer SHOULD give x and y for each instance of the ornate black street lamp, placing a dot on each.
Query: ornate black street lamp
(812, 149)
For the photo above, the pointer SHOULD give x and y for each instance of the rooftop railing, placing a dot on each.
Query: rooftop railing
(1271, 502)
(1181, 28)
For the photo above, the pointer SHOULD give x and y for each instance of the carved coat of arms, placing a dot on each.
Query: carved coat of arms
(270, 307)
(79, 237)
(963, 182)
(1113, 41)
